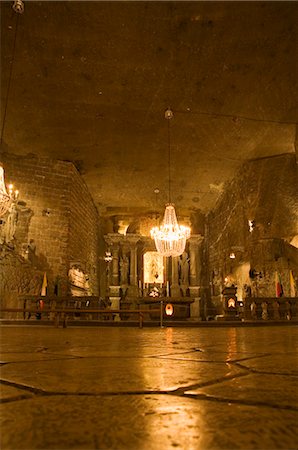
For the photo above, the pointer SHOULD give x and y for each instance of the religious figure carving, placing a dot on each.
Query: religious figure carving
(10, 225)
(154, 269)
(288, 310)
(184, 268)
(247, 290)
(31, 251)
(253, 310)
(124, 262)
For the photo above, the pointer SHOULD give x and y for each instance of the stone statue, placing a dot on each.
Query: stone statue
(11, 224)
(247, 290)
(31, 251)
(154, 269)
(253, 310)
(184, 268)
(288, 310)
(124, 269)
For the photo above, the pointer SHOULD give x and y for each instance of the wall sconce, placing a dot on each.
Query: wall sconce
(254, 274)
(108, 257)
(18, 6)
(6, 198)
(251, 225)
(46, 212)
(232, 255)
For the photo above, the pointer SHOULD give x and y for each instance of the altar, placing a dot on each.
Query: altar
(174, 308)
(138, 275)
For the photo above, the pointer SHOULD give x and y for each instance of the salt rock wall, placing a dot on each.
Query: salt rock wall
(55, 226)
(252, 226)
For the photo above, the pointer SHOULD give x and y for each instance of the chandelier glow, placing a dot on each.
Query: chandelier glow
(170, 238)
(6, 199)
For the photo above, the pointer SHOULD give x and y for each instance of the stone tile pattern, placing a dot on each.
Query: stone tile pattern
(125, 388)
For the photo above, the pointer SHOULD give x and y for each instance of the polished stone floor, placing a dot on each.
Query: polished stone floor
(151, 389)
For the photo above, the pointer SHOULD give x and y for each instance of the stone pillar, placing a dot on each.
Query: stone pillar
(195, 309)
(115, 265)
(133, 266)
(175, 290)
(195, 264)
(113, 240)
(133, 275)
(131, 242)
(115, 304)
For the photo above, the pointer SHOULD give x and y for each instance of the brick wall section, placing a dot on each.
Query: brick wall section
(56, 212)
(83, 230)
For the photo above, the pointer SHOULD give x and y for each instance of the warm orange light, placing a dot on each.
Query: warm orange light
(169, 309)
(231, 303)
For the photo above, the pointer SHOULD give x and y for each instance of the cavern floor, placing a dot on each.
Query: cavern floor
(126, 388)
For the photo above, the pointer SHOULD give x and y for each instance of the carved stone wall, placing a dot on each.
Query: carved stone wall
(17, 277)
(56, 224)
(264, 192)
(83, 230)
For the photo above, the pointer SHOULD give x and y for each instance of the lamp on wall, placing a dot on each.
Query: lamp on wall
(6, 198)
(108, 257)
(170, 237)
(18, 6)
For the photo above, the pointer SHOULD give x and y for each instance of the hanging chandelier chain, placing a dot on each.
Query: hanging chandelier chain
(9, 79)
(169, 158)
(170, 238)
(169, 115)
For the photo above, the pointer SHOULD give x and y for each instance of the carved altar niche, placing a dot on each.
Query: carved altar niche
(79, 281)
(153, 268)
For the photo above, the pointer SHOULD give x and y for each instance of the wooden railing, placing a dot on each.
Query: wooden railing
(270, 308)
(62, 315)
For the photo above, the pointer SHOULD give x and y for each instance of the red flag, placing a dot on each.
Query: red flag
(278, 285)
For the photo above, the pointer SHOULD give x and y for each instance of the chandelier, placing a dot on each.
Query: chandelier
(6, 199)
(170, 237)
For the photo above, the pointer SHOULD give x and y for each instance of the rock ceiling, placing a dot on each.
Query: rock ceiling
(90, 82)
